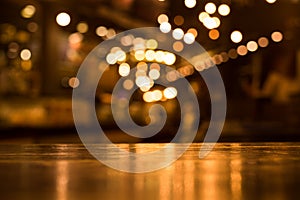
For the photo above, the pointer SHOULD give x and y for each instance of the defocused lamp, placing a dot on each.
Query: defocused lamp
(63, 19)
(210, 8)
(276, 36)
(252, 46)
(236, 36)
(82, 27)
(178, 34)
(271, 1)
(224, 10)
(162, 18)
(190, 3)
(263, 42)
(188, 38)
(28, 11)
(242, 50)
(25, 54)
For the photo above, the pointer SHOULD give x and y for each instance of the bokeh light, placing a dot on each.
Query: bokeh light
(236, 36)
(28, 11)
(154, 74)
(224, 9)
(178, 20)
(214, 34)
(242, 50)
(63, 19)
(162, 18)
(252, 46)
(124, 69)
(74, 82)
(277, 36)
(151, 44)
(165, 27)
(202, 16)
(82, 27)
(128, 84)
(232, 53)
(188, 38)
(193, 31)
(25, 54)
(210, 8)
(170, 92)
(263, 42)
(190, 3)
(101, 31)
(178, 33)
(270, 1)
(178, 46)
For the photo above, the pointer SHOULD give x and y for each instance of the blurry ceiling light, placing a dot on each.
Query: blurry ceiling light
(142, 66)
(155, 66)
(140, 72)
(173, 75)
(128, 84)
(63, 19)
(154, 74)
(189, 38)
(202, 16)
(232, 53)
(111, 59)
(150, 55)
(217, 59)
(193, 31)
(124, 69)
(145, 88)
(159, 56)
(151, 44)
(26, 65)
(263, 42)
(120, 55)
(270, 1)
(101, 31)
(32, 27)
(236, 36)
(111, 33)
(25, 54)
(127, 40)
(169, 58)
(162, 18)
(165, 27)
(211, 22)
(190, 3)
(178, 20)
(252, 46)
(157, 95)
(28, 11)
(178, 33)
(143, 81)
(277, 36)
(170, 92)
(139, 55)
(242, 50)
(74, 82)
(75, 38)
(147, 97)
(214, 34)
(82, 27)
(115, 49)
(210, 8)
(225, 56)
(178, 46)
(224, 9)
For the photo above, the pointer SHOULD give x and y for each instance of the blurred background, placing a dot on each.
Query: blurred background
(254, 44)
